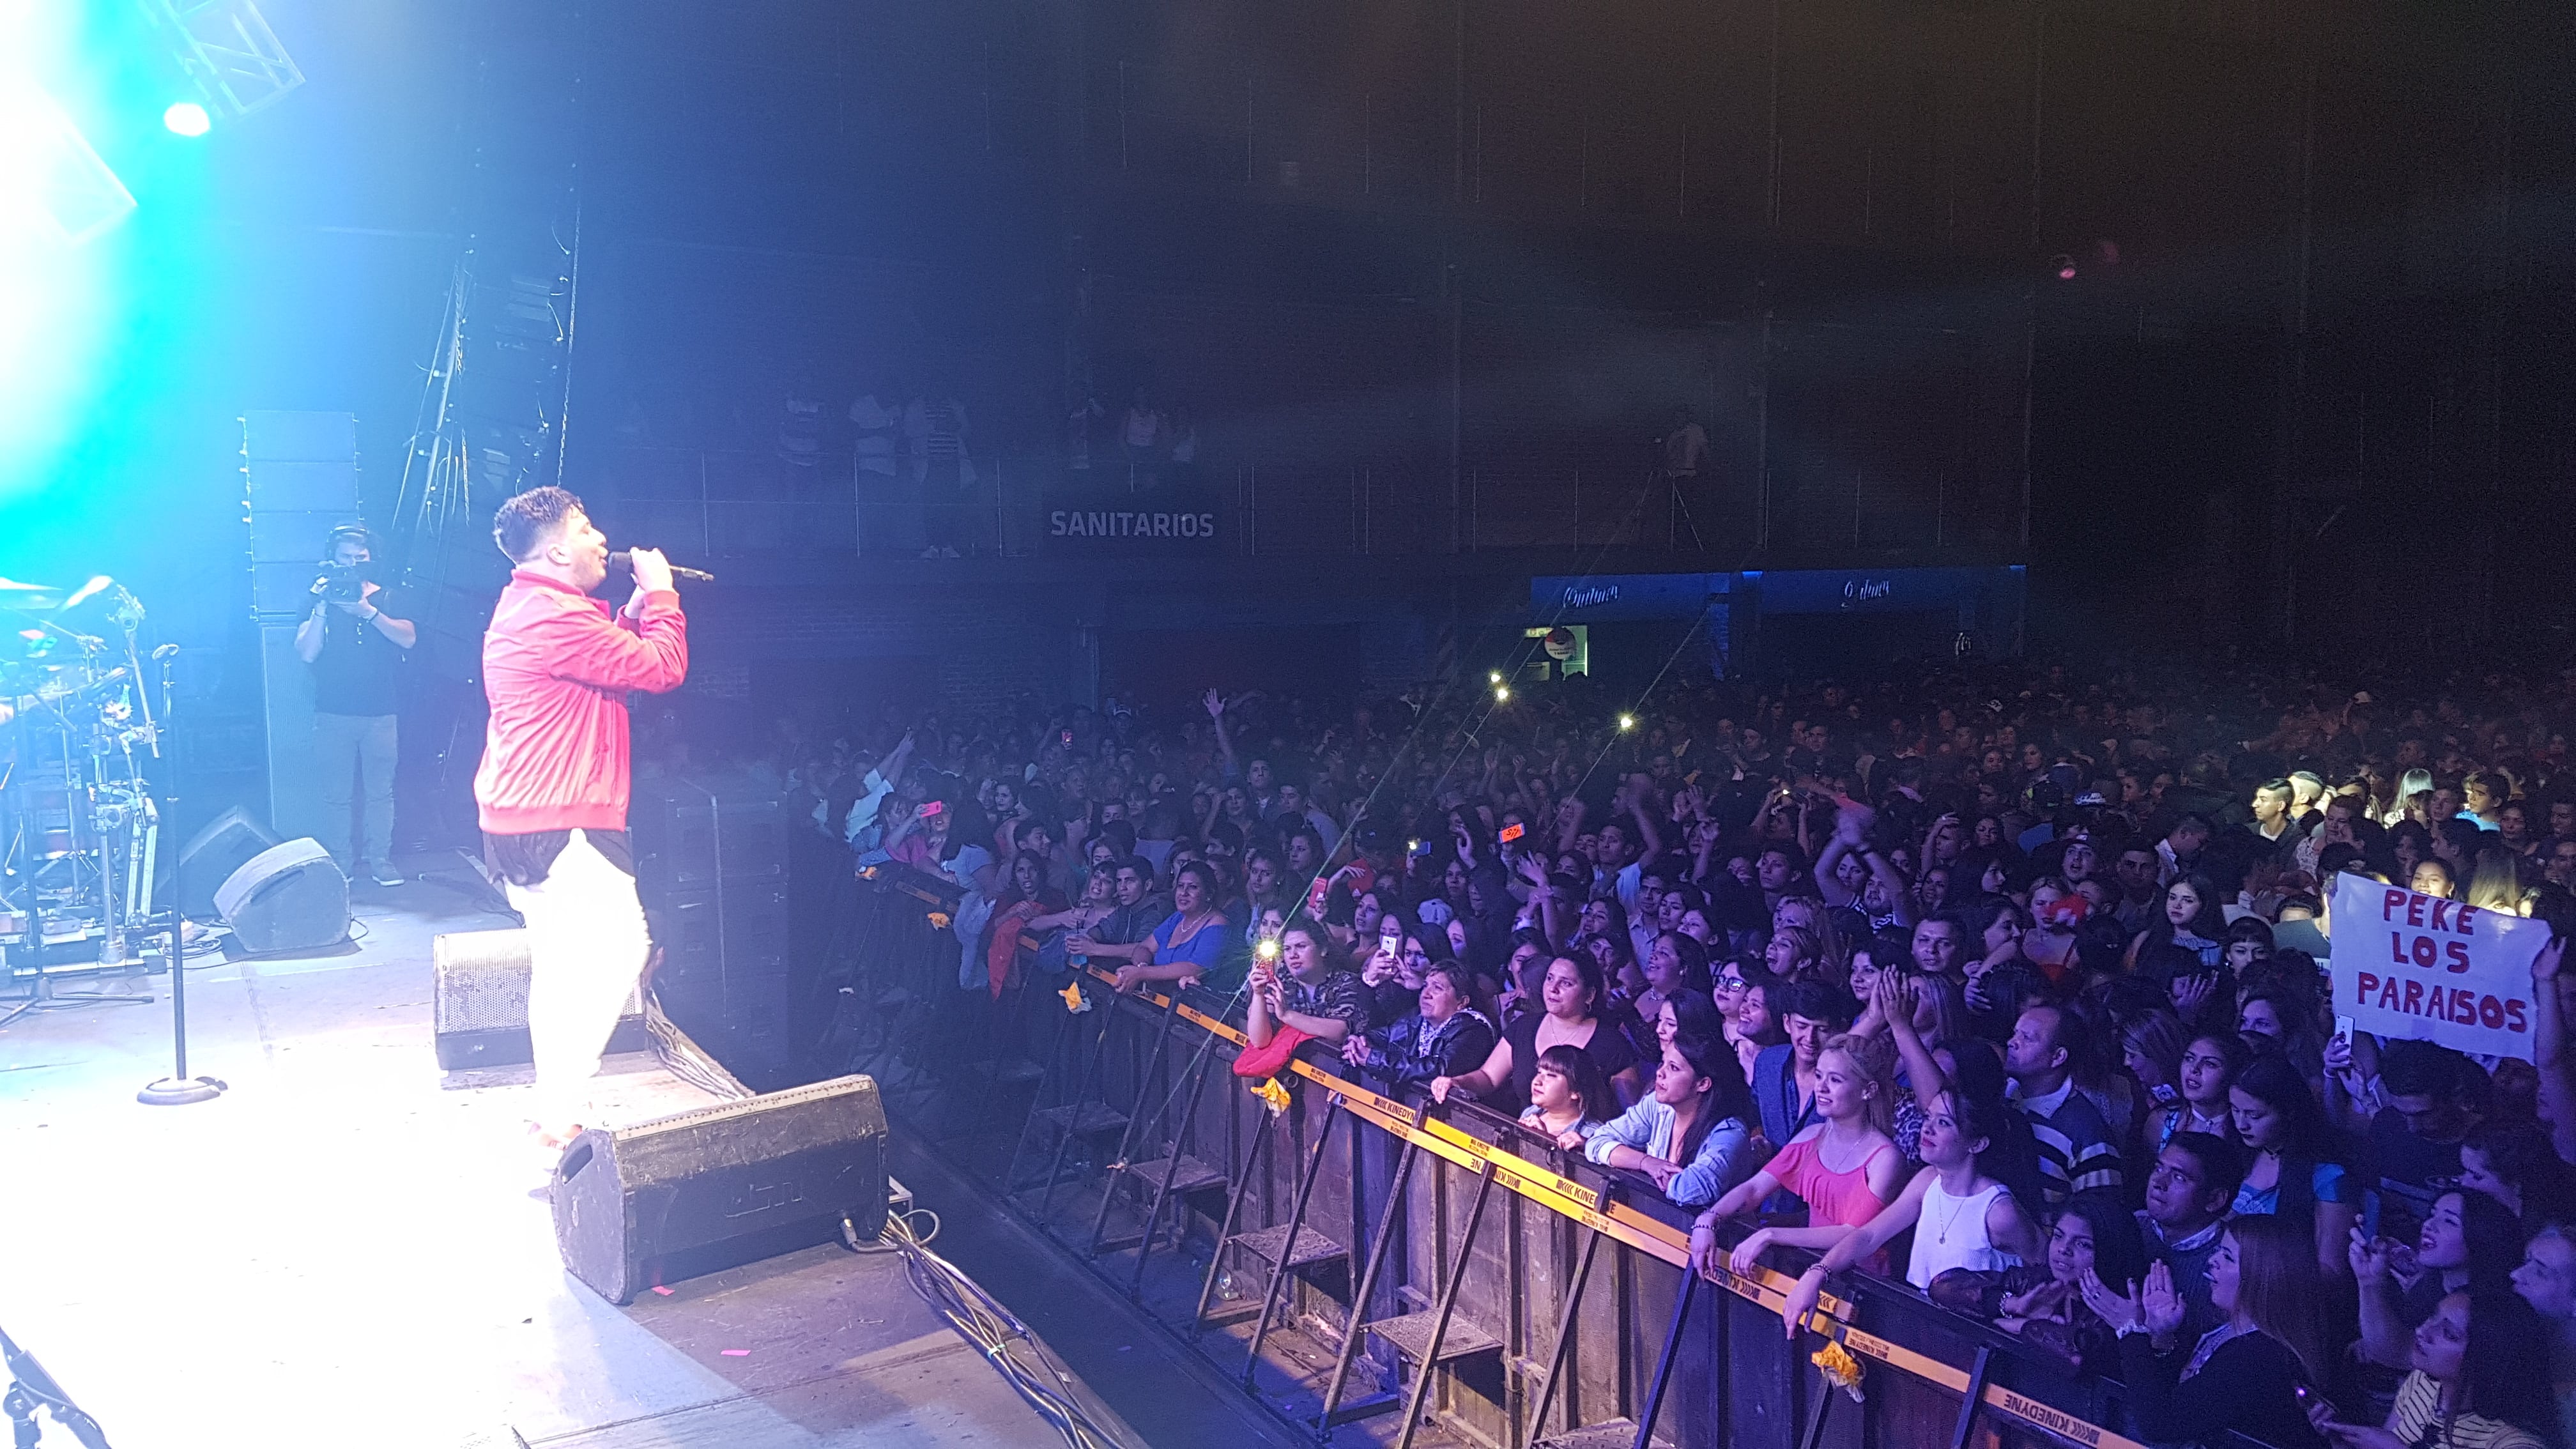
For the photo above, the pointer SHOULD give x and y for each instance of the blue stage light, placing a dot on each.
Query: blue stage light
(187, 118)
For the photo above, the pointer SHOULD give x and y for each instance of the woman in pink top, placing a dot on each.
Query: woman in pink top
(1845, 1168)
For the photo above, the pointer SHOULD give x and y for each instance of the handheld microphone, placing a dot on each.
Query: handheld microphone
(619, 563)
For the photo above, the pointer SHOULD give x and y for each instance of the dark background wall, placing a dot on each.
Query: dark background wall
(2319, 255)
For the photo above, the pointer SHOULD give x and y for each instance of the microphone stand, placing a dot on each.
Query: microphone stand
(177, 1089)
(31, 1388)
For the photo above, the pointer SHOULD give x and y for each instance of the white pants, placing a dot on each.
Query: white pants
(586, 950)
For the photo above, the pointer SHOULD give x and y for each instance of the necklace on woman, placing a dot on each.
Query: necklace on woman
(1958, 1205)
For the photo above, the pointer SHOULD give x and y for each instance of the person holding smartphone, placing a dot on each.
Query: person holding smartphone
(922, 840)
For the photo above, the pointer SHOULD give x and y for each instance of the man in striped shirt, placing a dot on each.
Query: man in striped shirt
(2077, 1151)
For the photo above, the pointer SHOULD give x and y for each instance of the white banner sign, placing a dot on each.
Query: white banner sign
(2418, 966)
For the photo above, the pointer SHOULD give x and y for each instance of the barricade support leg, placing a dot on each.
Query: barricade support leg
(1136, 1114)
(1397, 1187)
(1456, 1279)
(1234, 1195)
(1296, 1220)
(1975, 1398)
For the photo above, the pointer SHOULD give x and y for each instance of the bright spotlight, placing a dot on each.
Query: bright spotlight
(1627, 721)
(1493, 676)
(1501, 694)
(187, 118)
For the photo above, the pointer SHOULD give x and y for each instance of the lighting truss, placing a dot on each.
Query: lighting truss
(228, 50)
(51, 164)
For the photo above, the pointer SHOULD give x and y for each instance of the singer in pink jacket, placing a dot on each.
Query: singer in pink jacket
(553, 786)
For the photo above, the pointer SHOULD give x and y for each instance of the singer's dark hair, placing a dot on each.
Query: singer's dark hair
(524, 525)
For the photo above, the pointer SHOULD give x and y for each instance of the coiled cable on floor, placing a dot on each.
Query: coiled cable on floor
(1003, 1340)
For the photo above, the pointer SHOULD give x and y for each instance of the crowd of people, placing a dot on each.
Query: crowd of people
(2006, 980)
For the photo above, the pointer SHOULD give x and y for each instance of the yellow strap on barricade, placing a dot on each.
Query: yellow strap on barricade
(1623, 1224)
(1563, 1194)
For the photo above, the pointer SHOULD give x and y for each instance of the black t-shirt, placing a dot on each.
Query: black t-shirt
(2410, 1173)
(354, 673)
(1608, 1049)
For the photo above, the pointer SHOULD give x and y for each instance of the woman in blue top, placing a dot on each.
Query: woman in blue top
(1689, 1133)
(1189, 945)
(2293, 1175)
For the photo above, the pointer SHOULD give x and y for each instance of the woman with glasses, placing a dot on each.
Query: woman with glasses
(1726, 991)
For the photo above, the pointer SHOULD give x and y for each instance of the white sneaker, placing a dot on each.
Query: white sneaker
(385, 875)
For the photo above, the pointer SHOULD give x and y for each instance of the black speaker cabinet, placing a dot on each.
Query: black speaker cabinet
(478, 984)
(210, 858)
(711, 872)
(697, 1191)
(289, 897)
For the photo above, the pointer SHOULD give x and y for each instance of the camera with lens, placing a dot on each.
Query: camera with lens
(346, 583)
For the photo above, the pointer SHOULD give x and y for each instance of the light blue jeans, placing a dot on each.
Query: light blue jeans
(346, 749)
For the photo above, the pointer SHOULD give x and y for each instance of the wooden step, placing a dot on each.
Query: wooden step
(1369, 1406)
(1410, 1334)
(1609, 1434)
(1312, 1246)
(1190, 1176)
(1086, 1119)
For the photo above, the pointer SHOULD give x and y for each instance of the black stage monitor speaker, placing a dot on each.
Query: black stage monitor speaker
(479, 1002)
(691, 1193)
(289, 897)
(207, 861)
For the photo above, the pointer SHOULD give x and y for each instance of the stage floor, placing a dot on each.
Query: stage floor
(344, 1249)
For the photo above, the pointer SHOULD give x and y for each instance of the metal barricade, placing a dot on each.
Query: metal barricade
(1346, 1253)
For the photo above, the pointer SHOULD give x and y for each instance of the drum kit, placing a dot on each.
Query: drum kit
(79, 829)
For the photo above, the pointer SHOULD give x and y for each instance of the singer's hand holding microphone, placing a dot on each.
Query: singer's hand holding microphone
(624, 560)
(652, 571)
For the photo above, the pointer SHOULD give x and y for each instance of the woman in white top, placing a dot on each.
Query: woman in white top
(1961, 1216)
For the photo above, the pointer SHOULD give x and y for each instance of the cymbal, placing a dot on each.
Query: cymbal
(15, 595)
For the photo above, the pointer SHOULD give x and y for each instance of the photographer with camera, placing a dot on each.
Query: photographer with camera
(353, 640)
